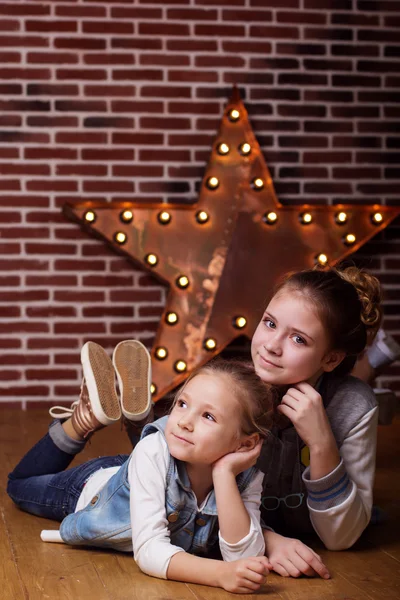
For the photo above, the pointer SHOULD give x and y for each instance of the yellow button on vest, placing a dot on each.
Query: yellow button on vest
(200, 521)
(173, 517)
(94, 500)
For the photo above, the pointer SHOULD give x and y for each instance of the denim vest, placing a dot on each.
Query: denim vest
(105, 522)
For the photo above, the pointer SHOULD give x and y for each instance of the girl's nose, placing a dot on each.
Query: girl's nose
(273, 345)
(185, 423)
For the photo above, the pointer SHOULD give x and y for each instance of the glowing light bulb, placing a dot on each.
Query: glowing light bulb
(349, 239)
(153, 389)
(89, 216)
(180, 366)
(322, 259)
(161, 353)
(223, 148)
(234, 115)
(212, 183)
(306, 218)
(239, 322)
(164, 217)
(245, 149)
(120, 237)
(182, 282)
(171, 318)
(151, 259)
(257, 184)
(126, 216)
(210, 344)
(341, 218)
(202, 216)
(377, 218)
(270, 218)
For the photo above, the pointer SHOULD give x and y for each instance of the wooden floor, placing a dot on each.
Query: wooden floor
(32, 569)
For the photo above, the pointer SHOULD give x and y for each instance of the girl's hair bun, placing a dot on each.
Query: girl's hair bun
(370, 295)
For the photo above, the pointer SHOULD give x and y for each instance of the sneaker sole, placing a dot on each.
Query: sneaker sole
(132, 365)
(100, 381)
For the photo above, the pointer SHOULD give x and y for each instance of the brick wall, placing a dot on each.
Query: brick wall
(112, 100)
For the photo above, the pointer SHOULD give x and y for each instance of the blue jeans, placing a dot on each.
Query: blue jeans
(40, 485)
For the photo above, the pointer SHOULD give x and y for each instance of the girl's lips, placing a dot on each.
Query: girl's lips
(269, 363)
(182, 439)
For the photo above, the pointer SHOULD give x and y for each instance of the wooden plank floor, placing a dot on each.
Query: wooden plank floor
(31, 569)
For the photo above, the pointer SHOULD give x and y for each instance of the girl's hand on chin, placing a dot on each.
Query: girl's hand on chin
(303, 405)
(237, 462)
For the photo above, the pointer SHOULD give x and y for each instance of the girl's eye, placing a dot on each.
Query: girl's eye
(298, 339)
(181, 403)
(270, 323)
(209, 417)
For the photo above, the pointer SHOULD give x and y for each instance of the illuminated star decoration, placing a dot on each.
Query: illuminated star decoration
(222, 255)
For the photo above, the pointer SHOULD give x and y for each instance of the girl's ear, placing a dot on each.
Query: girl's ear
(248, 442)
(332, 359)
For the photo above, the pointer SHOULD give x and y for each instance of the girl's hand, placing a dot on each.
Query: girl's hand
(291, 558)
(237, 462)
(304, 407)
(245, 575)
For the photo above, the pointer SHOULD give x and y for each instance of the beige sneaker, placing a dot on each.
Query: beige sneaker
(132, 365)
(98, 404)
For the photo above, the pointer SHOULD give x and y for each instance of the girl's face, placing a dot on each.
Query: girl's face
(204, 423)
(290, 343)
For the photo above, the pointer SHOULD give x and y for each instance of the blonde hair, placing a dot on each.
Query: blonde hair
(257, 400)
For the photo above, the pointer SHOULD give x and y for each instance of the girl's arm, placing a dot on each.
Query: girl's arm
(153, 551)
(240, 530)
(340, 503)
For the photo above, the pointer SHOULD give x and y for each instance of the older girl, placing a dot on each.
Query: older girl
(319, 466)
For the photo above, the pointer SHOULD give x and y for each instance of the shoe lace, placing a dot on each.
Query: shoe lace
(61, 412)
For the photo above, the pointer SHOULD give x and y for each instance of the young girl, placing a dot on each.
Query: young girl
(319, 464)
(194, 486)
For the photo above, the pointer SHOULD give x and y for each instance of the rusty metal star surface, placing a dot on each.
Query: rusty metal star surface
(221, 256)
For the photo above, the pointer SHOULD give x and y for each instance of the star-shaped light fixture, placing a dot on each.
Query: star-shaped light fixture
(222, 255)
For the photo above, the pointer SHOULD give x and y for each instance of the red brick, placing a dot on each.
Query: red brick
(50, 374)
(133, 327)
(81, 137)
(327, 157)
(90, 74)
(23, 41)
(46, 121)
(356, 173)
(54, 58)
(10, 121)
(108, 27)
(9, 153)
(109, 58)
(24, 359)
(10, 185)
(27, 390)
(137, 170)
(81, 169)
(52, 89)
(9, 25)
(6, 57)
(108, 154)
(219, 61)
(80, 43)
(314, 18)
(137, 74)
(74, 327)
(9, 375)
(135, 12)
(49, 153)
(46, 312)
(80, 11)
(108, 186)
(139, 43)
(109, 90)
(247, 16)
(160, 29)
(176, 60)
(42, 185)
(9, 248)
(10, 281)
(23, 9)
(108, 311)
(209, 30)
(192, 45)
(49, 343)
(24, 327)
(36, 248)
(167, 155)
(51, 26)
(21, 73)
(76, 264)
(24, 169)
(137, 138)
(269, 31)
(52, 280)
(9, 343)
(10, 312)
